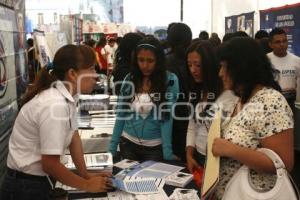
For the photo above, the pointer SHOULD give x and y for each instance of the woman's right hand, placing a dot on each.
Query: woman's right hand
(98, 184)
(191, 164)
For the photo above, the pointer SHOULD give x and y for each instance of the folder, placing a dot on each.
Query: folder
(212, 165)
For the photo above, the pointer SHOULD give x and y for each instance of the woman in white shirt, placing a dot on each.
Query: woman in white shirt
(206, 87)
(46, 126)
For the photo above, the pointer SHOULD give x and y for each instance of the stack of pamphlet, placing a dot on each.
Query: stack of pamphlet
(178, 179)
(94, 102)
(138, 185)
(180, 194)
(126, 163)
(94, 162)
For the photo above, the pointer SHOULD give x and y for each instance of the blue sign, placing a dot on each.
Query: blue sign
(287, 18)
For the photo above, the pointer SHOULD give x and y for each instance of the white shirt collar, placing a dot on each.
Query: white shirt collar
(63, 90)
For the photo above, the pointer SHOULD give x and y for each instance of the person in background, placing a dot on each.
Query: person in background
(179, 38)
(102, 55)
(227, 37)
(166, 46)
(286, 64)
(118, 40)
(92, 43)
(203, 35)
(240, 34)
(205, 89)
(262, 37)
(46, 126)
(261, 118)
(110, 48)
(143, 127)
(261, 34)
(123, 58)
(265, 44)
(215, 40)
(31, 61)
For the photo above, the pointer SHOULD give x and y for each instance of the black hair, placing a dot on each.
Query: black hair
(179, 38)
(90, 43)
(227, 37)
(126, 47)
(169, 26)
(102, 42)
(159, 76)
(30, 42)
(261, 34)
(276, 31)
(118, 40)
(264, 43)
(111, 39)
(240, 34)
(203, 35)
(247, 65)
(209, 69)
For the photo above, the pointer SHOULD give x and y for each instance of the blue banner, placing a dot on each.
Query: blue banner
(242, 22)
(287, 18)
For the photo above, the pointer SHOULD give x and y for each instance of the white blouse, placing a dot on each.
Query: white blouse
(142, 104)
(198, 129)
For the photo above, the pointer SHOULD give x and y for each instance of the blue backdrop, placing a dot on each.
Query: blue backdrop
(287, 18)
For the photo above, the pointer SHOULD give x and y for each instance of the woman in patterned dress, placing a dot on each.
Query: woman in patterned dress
(262, 117)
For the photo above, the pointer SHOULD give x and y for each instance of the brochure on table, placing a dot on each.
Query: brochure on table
(178, 179)
(96, 161)
(126, 163)
(138, 185)
(188, 194)
(150, 169)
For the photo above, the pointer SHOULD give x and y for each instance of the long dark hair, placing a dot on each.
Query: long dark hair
(211, 82)
(159, 76)
(247, 65)
(179, 38)
(126, 47)
(67, 57)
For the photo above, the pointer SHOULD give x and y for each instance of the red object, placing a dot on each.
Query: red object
(102, 60)
(198, 176)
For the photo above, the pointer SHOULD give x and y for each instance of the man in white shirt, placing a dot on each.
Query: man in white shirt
(111, 48)
(286, 64)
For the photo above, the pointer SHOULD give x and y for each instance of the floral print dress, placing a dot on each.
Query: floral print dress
(267, 113)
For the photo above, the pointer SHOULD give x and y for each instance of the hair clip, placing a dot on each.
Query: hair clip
(146, 45)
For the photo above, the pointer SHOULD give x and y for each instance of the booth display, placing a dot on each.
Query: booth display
(13, 70)
(285, 17)
(42, 49)
(77, 36)
(241, 22)
(72, 26)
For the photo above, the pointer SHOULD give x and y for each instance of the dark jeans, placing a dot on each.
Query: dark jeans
(15, 186)
(199, 158)
(291, 98)
(132, 151)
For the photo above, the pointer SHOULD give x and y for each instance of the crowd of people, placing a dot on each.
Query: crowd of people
(167, 98)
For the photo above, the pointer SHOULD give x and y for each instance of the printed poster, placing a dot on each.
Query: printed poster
(242, 22)
(287, 18)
